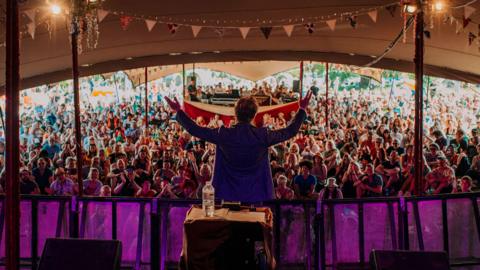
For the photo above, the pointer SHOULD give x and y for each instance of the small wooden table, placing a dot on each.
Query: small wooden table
(228, 240)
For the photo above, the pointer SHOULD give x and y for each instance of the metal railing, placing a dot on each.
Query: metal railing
(321, 235)
(347, 230)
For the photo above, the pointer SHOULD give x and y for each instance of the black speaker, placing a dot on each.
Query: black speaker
(239, 251)
(296, 86)
(411, 260)
(81, 254)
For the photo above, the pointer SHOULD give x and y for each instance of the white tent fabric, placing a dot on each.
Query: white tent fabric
(47, 58)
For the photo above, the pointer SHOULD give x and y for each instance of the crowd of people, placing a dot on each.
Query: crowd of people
(365, 151)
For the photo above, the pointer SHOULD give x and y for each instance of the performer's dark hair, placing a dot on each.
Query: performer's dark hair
(246, 109)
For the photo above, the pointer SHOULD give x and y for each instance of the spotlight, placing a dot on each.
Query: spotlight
(409, 8)
(438, 6)
(55, 9)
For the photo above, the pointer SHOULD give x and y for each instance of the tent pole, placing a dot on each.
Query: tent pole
(183, 80)
(12, 161)
(301, 79)
(418, 140)
(195, 76)
(76, 97)
(146, 98)
(326, 96)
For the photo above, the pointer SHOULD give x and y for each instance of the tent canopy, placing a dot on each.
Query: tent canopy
(253, 70)
(47, 57)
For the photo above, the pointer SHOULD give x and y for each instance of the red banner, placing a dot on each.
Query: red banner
(227, 114)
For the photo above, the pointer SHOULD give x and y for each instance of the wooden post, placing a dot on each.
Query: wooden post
(76, 96)
(301, 79)
(326, 96)
(183, 81)
(418, 139)
(12, 160)
(146, 98)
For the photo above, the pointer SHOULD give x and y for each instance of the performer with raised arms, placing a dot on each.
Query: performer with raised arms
(242, 165)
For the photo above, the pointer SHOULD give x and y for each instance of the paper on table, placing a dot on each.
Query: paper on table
(226, 214)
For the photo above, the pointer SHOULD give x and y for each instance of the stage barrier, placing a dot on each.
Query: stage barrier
(330, 234)
(347, 230)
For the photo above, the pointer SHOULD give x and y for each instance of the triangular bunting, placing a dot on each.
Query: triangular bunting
(310, 28)
(331, 24)
(150, 24)
(101, 14)
(353, 21)
(471, 38)
(220, 31)
(288, 29)
(31, 29)
(392, 9)
(373, 15)
(466, 21)
(266, 31)
(458, 27)
(195, 30)
(452, 20)
(172, 27)
(31, 14)
(427, 34)
(125, 21)
(244, 31)
(468, 11)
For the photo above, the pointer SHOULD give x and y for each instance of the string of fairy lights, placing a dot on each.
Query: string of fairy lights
(93, 12)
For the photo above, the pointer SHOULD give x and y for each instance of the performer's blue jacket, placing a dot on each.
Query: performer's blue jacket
(242, 164)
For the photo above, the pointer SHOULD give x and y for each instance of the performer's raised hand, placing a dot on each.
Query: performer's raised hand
(305, 100)
(174, 104)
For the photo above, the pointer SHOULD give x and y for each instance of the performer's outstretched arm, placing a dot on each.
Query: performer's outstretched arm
(280, 135)
(207, 134)
(277, 136)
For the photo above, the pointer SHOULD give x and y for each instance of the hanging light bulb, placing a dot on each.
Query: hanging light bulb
(410, 8)
(438, 6)
(55, 9)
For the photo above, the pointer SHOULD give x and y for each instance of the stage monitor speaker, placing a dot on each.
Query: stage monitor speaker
(411, 260)
(296, 86)
(81, 254)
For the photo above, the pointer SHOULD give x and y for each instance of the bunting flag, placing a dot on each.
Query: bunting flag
(31, 14)
(244, 31)
(220, 31)
(353, 21)
(150, 24)
(471, 38)
(195, 30)
(331, 24)
(125, 21)
(310, 28)
(468, 11)
(266, 31)
(288, 29)
(31, 29)
(427, 34)
(101, 14)
(458, 27)
(452, 20)
(392, 9)
(466, 21)
(373, 15)
(172, 27)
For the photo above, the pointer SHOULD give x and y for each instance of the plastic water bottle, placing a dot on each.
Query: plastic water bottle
(208, 199)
